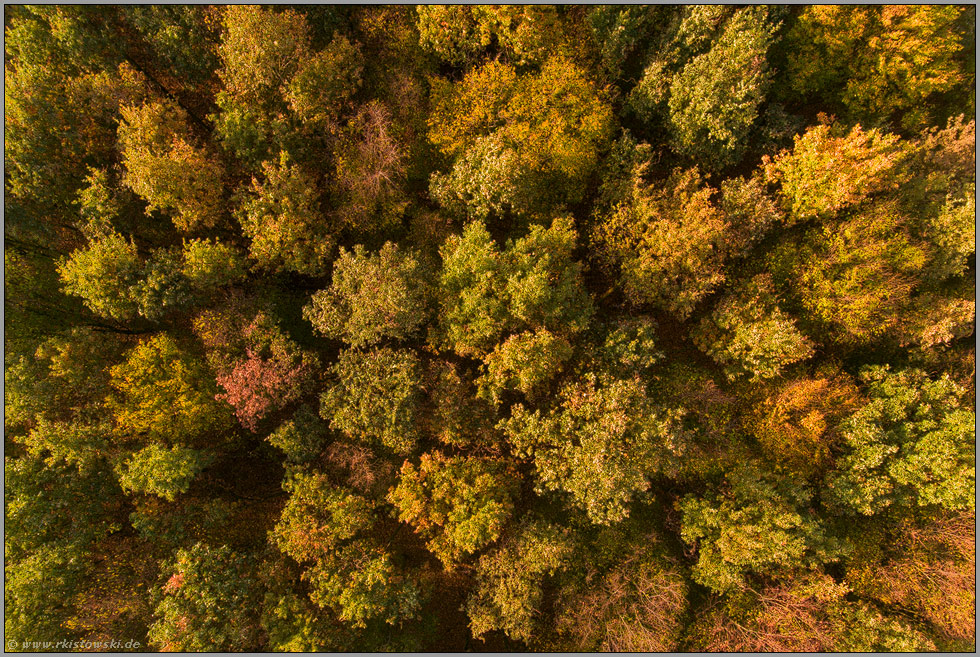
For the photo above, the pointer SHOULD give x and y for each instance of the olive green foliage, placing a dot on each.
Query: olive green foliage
(881, 224)
(395, 328)
(828, 171)
(375, 397)
(623, 32)
(293, 625)
(948, 190)
(856, 275)
(544, 285)
(166, 167)
(199, 582)
(372, 297)
(759, 525)
(361, 582)
(705, 78)
(865, 630)
(180, 36)
(524, 362)
(98, 202)
(260, 51)
(160, 471)
(630, 346)
(76, 442)
(714, 99)
(459, 504)
(601, 445)
(485, 181)
(63, 89)
(164, 288)
(951, 232)
(209, 265)
(325, 83)
(459, 34)
(511, 579)
(534, 282)
(878, 62)
(64, 378)
(281, 215)
(458, 416)
(301, 438)
(339, 516)
(54, 516)
(329, 527)
(666, 240)
(451, 32)
(472, 313)
(103, 275)
(751, 211)
(546, 131)
(165, 395)
(748, 334)
(912, 444)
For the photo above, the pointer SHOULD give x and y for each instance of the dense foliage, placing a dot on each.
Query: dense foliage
(446, 328)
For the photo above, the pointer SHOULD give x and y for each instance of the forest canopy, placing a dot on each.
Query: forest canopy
(474, 327)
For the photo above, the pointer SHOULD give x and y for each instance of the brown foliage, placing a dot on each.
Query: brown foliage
(933, 573)
(371, 170)
(359, 467)
(795, 425)
(637, 607)
(780, 618)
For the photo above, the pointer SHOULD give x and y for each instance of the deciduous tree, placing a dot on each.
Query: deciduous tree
(459, 504)
(372, 297)
(601, 445)
(828, 170)
(756, 525)
(534, 282)
(855, 277)
(797, 422)
(209, 600)
(167, 168)
(532, 116)
(350, 572)
(636, 606)
(272, 373)
(881, 63)
(510, 580)
(375, 397)
(322, 90)
(103, 274)
(525, 362)
(371, 169)
(910, 445)
(666, 241)
(210, 265)
(282, 217)
(714, 100)
(747, 333)
(162, 393)
(161, 471)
